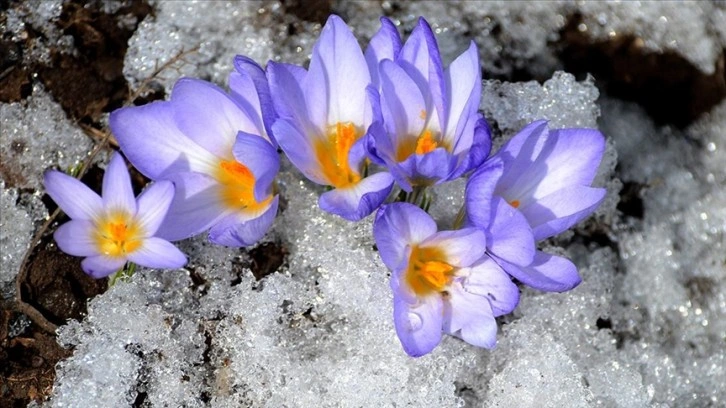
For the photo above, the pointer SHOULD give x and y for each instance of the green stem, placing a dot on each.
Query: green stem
(124, 274)
(459, 220)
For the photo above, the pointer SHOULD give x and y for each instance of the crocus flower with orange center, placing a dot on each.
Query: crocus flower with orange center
(216, 149)
(116, 228)
(427, 129)
(442, 281)
(324, 113)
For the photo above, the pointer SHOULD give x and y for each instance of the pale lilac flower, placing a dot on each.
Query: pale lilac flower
(216, 149)
(324, 112)
(116, 228)
(441, 281)
(538, 181)
(427, 127)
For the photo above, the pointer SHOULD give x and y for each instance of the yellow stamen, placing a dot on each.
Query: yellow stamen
(514, 203)
(238, 186)
(332, 154)
(117, 234)
(427, 272)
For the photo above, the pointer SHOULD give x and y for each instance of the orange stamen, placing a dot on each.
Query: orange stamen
(332, 154)
(514, 203)
(426, 142)
(238, 186)
(427, 272)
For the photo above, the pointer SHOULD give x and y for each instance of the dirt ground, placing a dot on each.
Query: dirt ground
(51, 286)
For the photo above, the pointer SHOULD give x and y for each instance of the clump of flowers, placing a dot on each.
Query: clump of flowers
(378, 129)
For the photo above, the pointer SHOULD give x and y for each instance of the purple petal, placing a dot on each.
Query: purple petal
(509, 234)
(402, 104)
(76, 238)
(385, 44)
(421, 52)
(195, 208)
(158, 253)
(573, 159)
(398, 225)
(418, 327)
(520, 152)
(151, 140)
(562, 209)
(260, 157)
(288, 97)
(462, 247)
(548, 273)
(337, 78)
(72, 196)
(153, 206)
(430, 168)
(463, 83)
(235, 231)
(298, 149)
(100, 266)
(479, 192)
(470, 317)
(488, 279)
(117, 191)
(358, 200)
(210, 117)
(248, 66)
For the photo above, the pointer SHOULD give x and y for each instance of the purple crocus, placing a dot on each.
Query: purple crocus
(427, 127)
(441, 281)
(324, 114)
(216, 149)
(538, 184)
(116, 228)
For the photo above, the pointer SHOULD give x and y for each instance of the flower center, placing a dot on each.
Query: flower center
(427, 272)
(426, 142)
(117, 234)
(238, 186)
(332, 154)
(514, 203)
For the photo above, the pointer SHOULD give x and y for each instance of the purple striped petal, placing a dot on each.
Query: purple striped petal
(397, 226)
(509, 235)
(427, 169)
(418, 327)
(359, 200)
(150, 139)
(463, 85)
(479, 191)
(298, 149)
(385, 44)
(462, 247)
(258, 155)
(562, 209)
(288, 97)
(488, 279)
(72, 196)
(76, 238)
(117, 191)
(235, 231)
(548, 273)
(208, 116)
(337, 78)
(195, 208)
(159, 254)
(469, 317)
(153, 204)
(519, 153)
(100, 266)
(402, 104)
(245, 65)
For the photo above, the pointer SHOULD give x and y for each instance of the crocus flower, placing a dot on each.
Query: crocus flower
(324, 113)
(427, 127)
(539, 181)
(441, 281)
(116, 228)
(216, 149)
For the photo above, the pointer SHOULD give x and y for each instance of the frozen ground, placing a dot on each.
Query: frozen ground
(646, 327)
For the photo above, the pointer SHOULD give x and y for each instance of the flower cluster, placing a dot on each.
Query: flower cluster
(378, 128)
